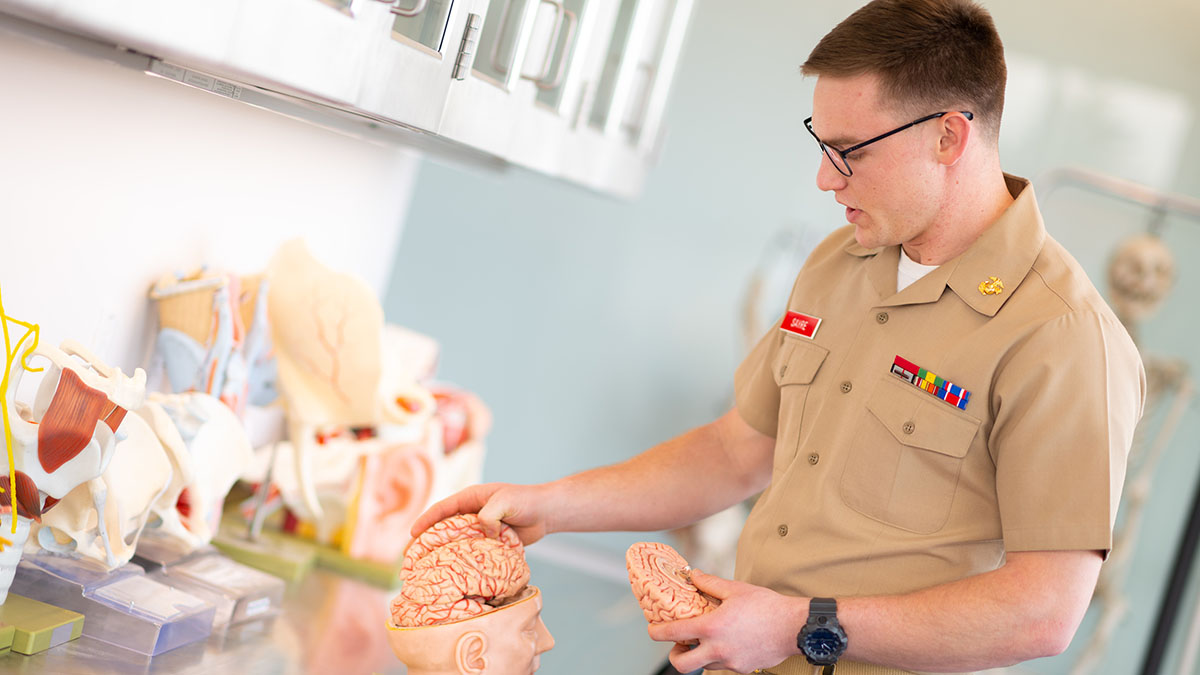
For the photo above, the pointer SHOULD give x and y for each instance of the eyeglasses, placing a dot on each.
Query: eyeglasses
(839, 158)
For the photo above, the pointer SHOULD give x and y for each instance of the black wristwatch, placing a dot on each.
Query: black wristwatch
(822, 639)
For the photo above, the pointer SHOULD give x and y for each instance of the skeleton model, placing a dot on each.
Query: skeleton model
(1140, 277)
(64, 440)
(465, 604)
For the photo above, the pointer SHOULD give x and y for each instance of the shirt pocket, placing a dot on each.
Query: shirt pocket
(795, 367)
(904, 465)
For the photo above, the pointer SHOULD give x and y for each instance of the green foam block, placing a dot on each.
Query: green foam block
(37, 626)
(272, 552)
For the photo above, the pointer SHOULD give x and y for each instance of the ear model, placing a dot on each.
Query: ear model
(470, 653)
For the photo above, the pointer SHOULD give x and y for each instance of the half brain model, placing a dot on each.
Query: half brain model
(662, 584)
(453, 571)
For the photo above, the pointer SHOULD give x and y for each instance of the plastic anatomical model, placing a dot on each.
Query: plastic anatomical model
(65, 439)
(103, 518)
(661, 582)
(369, 446)
(214, 338)
(208, 449)
(465, 606)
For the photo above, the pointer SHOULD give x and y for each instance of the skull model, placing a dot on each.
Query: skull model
(1140, 275)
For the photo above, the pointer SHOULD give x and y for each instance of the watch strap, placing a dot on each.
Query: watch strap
(822, 606)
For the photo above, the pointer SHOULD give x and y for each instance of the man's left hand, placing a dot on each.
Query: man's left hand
(754, 627)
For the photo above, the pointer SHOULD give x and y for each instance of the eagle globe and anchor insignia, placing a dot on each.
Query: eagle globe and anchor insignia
(991, 286)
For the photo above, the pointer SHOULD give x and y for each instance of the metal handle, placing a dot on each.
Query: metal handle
(409, 12)
(495, 56)
(572, 24)
(559, 13)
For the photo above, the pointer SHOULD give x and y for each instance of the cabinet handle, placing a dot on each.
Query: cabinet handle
(572, 23)
(495, 56)
(559, 13)
(410, 12)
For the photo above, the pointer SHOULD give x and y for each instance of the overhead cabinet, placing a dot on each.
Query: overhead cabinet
(572, 88)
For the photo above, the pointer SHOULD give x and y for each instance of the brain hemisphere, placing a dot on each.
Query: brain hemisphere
(482, 568)
(660, 581)
(453, 571)
(455, 528)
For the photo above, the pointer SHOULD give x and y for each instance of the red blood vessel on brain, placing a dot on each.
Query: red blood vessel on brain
(453, 571)
(661, 581)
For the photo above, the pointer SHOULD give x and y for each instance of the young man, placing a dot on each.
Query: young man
(941, 420)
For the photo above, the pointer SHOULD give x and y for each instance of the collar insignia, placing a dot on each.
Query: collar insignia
(991, 286)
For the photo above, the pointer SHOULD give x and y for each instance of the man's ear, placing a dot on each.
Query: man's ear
(469, 653)
(956, 132)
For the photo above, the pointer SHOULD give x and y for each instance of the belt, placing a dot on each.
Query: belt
(798, 665)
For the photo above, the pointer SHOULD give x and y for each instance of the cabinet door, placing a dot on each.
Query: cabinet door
(560, 77)
(483, 107)
(315, 48)
(411, 61)
(193, 31)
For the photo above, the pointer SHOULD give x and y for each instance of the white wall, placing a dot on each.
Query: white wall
(110, 178)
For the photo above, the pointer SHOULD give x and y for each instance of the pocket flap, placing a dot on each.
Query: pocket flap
(799, 361)
(921, 420)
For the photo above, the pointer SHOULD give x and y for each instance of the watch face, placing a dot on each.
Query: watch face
(823, 644)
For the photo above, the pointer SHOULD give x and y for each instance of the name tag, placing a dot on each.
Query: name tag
(801, 324)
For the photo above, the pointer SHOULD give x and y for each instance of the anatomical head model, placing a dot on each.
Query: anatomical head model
(66, 438)
(1140, 276)
(465, 606)
(661, 581)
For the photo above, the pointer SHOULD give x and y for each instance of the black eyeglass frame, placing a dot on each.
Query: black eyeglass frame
(842, 153)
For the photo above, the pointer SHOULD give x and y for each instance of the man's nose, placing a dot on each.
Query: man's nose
(828, 177)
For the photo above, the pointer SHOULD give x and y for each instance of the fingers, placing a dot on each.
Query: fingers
(470, 500)
(715, 586)
(687, 658)
(682, 631)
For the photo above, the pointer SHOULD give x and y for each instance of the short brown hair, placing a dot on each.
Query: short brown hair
(943, 54)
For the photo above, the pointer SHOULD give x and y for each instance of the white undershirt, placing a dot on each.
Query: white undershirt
(909, 270)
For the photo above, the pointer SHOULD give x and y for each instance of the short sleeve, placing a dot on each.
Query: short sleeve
(1066, 401)
(756, 393)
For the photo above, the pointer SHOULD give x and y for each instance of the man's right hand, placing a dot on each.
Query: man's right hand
(522, 507)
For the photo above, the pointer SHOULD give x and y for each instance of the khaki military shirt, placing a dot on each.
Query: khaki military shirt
(881, 487)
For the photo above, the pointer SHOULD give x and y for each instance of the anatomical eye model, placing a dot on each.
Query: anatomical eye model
(661, 581)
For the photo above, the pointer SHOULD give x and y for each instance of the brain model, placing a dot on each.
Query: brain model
(453, 571)
(661, 581)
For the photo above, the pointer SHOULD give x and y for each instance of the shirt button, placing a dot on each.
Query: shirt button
(909, 427)
(881, 317)
(846, 387)
(782, 530)
(814, 458)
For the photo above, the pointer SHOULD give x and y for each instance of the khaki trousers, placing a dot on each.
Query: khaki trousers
(797, 665)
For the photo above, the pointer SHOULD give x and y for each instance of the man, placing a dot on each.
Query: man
(949, 522)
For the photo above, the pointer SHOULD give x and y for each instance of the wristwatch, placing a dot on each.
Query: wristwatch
(822, 639)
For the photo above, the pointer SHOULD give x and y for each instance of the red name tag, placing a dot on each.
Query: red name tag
(801, 324)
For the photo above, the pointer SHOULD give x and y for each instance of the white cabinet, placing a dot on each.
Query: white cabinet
(572, 88)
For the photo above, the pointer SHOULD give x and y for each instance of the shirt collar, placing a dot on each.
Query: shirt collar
(1006, 250)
